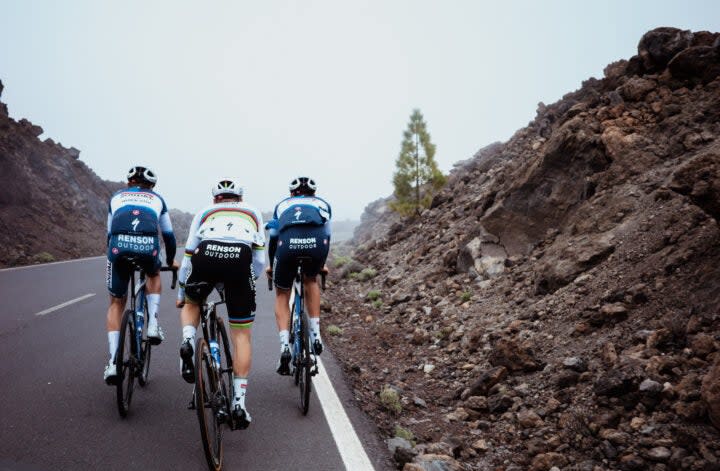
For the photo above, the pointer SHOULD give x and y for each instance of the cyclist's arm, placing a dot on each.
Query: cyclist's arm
(168, 236)
(109, 227)
(328, 230)
(258, 247)
(272, 227)
(192, 242)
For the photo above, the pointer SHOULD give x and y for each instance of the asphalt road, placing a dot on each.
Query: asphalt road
(56, 413)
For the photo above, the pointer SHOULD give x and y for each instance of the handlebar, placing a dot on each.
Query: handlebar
(174, 272)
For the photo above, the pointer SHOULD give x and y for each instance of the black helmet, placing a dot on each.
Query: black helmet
(142, 174)
(303, 183)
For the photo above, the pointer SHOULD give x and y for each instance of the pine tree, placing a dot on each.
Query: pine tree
(417, 176)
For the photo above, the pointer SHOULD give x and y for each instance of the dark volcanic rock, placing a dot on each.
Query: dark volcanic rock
(52, 205)
(658, 46)
(564, 285)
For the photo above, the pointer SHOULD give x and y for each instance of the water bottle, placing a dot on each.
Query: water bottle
(139, 322)
(215, 352)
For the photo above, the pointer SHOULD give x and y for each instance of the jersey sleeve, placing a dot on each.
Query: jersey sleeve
(329, 210)
(258, 261)
(192, 242)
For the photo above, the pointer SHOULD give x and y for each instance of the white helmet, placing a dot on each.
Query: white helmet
(227, 186)
(306, 183)
(142, 174)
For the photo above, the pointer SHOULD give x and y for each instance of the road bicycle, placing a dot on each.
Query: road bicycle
(304, 359)
(212, 393)
(134, 348)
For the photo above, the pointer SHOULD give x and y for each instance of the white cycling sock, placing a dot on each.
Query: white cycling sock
(240, 387)
(284, 339)
(153, 303)
(188, 332)
(113, 340)
(315, 327)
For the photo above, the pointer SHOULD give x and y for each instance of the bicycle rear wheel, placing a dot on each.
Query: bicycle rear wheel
(304, 365)
(146, 347)
(125, 361)
(206, 389)
(296, 342)
(226, 364)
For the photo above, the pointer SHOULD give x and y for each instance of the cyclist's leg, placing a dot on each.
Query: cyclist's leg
(318, 252)
(153, 288)
(240, 300)
(190, 314)
(284, 269)
(312, 305)
(117, 277)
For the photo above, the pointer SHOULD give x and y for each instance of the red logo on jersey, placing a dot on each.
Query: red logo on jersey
(115, 250)
(136, 212)
(154, 252)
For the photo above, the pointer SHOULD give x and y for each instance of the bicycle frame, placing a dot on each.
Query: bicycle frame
(209, 316)
(137, 305)
(297, 297)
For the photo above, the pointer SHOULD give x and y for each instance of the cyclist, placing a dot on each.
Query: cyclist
(300, 228)
(135, 214)
(225, 246)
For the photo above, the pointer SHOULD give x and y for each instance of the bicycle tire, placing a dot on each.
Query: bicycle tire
(226, 364)
(125, 361)
(205, 391)
(297, 346)
(146, 350)
(305, 365)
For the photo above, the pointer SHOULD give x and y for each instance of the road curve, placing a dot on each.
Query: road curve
(56, 412)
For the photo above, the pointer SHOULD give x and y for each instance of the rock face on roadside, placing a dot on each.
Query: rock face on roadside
(559, 303)
(52, 205)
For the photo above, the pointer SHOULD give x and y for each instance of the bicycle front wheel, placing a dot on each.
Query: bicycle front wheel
(206, 391)
(304, 365)
(125, 361)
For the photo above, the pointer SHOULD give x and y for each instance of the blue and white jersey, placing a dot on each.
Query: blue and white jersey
(301, 210)
(138, 211)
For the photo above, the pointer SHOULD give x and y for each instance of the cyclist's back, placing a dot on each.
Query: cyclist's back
(225, 246)
(299, 230)
(136, 215)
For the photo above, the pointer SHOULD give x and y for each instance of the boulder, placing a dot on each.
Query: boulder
(710, 393)
(487, 380)
(481, 258)
(659, 46)
(513, 356)
(701, 63)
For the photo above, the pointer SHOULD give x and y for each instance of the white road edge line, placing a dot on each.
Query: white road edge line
(66, 303)
(39, 265)
(351, 450)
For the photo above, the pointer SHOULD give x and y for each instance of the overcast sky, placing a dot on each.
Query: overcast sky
(267, 90)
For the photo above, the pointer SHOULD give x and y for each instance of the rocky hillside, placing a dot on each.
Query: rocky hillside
(52, 205)
(558, 306)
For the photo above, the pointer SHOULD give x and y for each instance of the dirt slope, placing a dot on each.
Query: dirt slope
(559, 304)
